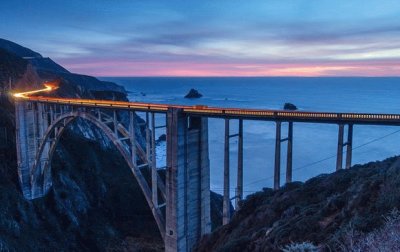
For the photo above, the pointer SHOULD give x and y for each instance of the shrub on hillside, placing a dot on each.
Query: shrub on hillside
(386, 238)
(300, 247)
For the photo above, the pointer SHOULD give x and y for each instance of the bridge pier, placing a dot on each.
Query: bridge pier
(132, 137)
(289, 153)
(226, 213)
(277, 163)
(277, 166)
(26, 149)
(239, 184)
(31, 124)
(187, 181)
(147, 132)
(154, 174)
(339, 156)
(348, 144)
(226, 205)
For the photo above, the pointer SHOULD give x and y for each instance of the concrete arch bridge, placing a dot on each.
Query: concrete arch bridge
(184, 195)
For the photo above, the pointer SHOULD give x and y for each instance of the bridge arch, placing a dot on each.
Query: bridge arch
(40, 174)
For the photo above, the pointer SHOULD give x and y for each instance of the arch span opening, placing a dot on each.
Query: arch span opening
(41, 172)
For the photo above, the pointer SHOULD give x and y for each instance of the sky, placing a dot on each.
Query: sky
(210, 37)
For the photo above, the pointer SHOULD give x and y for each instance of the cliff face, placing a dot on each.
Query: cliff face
(95, 203)
(325, 211)
(17, 60)
(18, 50)
(11, 67)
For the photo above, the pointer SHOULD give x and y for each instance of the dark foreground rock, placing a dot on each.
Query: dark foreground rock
(324, 211)
(193, 93)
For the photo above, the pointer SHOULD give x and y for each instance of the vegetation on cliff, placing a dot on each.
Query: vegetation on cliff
(325, 211)
(11, 66)
(95, 203)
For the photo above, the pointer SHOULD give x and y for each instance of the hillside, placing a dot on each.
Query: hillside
(95, 203)
(18, 50)
(325, 210)
(26, 68)
(11, 67)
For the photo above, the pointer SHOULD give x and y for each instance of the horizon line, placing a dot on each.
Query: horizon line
(236, 76)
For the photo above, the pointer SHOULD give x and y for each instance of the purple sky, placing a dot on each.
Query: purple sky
(211, 38)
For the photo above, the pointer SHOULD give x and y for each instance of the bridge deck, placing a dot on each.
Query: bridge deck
(247, 114)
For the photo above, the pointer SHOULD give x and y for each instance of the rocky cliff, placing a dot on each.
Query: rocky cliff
(325, 211)
(25, 68)
(95, 203)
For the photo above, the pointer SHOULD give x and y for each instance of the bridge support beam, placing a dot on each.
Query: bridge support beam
(226, 213)
(154, 174)
(31, 123)
(187, 181)
(239, 186)
(289, 156)
(349, 146)
(339, 157)
(147, 132)
(277, 166)
(26, 149)
(132, 137)
(289, 161)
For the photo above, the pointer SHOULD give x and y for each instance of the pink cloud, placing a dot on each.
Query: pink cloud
(129, 68)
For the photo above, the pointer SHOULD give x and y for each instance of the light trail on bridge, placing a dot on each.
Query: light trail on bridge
(48, 88)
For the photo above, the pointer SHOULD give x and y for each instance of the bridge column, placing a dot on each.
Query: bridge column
(43, 161)
(277, 166)
(239, 187)
(147, 130)
(289, 153)
(226, 197)
(115, 123)
(339, 158)
(30, 128)
(153, 161)
(26, 150)
(187, 181)
(132, 136)
(349, 146)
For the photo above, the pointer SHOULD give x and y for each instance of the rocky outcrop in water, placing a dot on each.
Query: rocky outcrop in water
(289, 106)
(193, 93)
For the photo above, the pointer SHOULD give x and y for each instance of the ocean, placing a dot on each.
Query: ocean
(314, 145)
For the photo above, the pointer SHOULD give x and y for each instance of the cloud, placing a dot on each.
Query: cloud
(218, 38)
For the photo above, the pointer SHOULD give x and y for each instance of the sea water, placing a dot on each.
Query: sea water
(314, 145)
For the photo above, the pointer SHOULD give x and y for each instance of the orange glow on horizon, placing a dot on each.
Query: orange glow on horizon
(115, 68)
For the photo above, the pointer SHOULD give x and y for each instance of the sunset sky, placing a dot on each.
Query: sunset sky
(210, 38)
